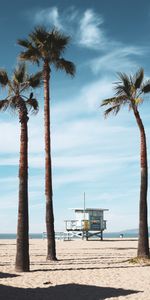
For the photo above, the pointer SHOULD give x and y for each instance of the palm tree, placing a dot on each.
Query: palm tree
(18, 102)
(129, 90)
(47, 47)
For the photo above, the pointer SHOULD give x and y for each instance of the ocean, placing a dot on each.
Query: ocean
(60, 235)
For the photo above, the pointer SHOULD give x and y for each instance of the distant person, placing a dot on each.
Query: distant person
(121, 235)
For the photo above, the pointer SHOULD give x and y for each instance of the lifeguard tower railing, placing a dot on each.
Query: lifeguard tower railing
(86, 228)
(76, 225)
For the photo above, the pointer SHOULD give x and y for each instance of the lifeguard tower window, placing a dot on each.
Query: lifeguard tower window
(88, 222)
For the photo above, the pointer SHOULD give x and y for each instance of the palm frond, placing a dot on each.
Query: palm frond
(38, 36)
(14, 103)
(24, 43)
(121, 90)
(32, 54)
(138, 78)
(131, 79)
(4, 104)
(35, 80)
(59, 40)
(10, 88)
(66, 65)
(125, 82)
(112, 110)
(124, 78)
(146, 87)
(108, 101)
(19, 73)
(3, 78)
(115, 101)
(32, 105)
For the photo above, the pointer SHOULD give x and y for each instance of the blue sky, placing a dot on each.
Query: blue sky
(90, 154)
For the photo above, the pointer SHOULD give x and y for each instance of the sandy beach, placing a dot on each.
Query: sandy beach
(92, 270)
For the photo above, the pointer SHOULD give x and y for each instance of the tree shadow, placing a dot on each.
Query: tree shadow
(90, 260)
(7, 275)
(5, 263)
(7, 244)
(121, 240)
(63, 292)
(126, 248)
(85, 268)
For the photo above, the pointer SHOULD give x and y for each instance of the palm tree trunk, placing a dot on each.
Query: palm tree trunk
(51, 248)
(22, 254)
(143, 242)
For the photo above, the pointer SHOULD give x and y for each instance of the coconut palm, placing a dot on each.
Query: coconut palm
(47, 47)
(129, 91)
(18, 102)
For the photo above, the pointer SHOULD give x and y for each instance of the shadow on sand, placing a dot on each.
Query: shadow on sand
(7, 275)
(62, 292)
(85, 268)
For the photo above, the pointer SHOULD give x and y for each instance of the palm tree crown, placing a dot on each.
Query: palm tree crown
(47, 46)
(17, 85)
(128, 90)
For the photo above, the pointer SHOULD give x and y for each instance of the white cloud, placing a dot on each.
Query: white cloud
(120, 58)
(35, 160)
(10, 200)
(95, 92)
(10, 136)
(85, 170)
(80, 124)
(86, 101)
(71, 14)
(86, 29)
(91, 161)
(48, 16)
(90, 33)
(9, 141)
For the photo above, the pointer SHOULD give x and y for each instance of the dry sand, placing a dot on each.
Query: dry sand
(92, 270)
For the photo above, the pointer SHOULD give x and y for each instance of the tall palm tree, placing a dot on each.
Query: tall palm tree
(129, 90)
(47, 47)
(17, 101)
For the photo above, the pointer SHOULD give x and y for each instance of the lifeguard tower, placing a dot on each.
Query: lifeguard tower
(88, 222)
